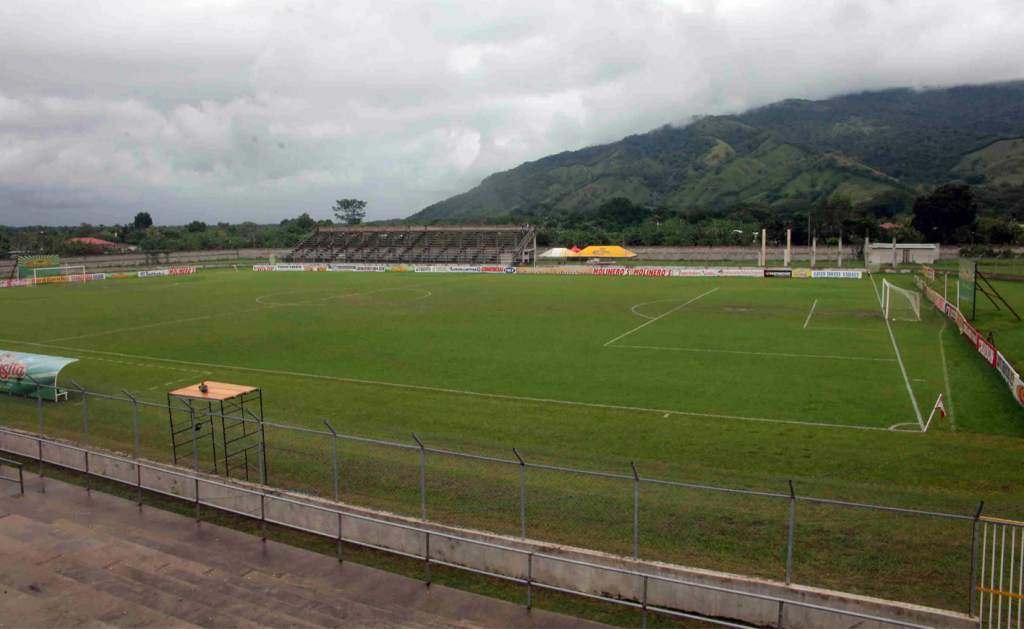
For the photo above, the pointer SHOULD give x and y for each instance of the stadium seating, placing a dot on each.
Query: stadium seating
(487, 244)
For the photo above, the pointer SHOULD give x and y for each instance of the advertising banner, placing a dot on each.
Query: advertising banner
(463, 269)
(738, 271)
(12, 283)
(838, 274)
(802, 273)
(492, 269)
(778, 273)
(289, 267)
(263, 267)
(987, 350)
(18, 371)
(181, 270)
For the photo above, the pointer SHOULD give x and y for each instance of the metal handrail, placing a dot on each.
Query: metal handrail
(21, 473)
(428, 533)
(202, 414)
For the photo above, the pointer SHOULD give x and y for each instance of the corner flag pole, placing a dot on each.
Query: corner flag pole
(940, 407)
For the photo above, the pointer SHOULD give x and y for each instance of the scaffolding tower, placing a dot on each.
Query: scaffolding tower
(218, 412)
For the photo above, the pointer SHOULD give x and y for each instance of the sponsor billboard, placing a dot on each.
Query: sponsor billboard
(263, 267)
(838, 274)
(25, 374)
(778, 273)
(289, 267)
(12, 283)
(802, 273)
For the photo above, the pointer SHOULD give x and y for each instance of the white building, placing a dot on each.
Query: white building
(878, 254)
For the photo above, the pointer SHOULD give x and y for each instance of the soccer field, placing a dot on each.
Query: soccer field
(740, 382)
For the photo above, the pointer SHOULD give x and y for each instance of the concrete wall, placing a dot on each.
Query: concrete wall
(552, 564)
(740, 254)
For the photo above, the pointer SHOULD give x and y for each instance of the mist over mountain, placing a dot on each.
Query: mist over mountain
(890, 145)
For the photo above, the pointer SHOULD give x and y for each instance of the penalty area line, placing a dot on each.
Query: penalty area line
(810, 314)
(750, 353)
(420, 387)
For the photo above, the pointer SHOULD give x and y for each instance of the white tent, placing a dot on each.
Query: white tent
(558, 252)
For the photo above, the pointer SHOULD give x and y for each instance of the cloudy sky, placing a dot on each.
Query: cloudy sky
(223, 110)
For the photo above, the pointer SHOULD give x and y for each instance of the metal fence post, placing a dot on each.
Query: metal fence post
(85, 432)
(636, 511)
(135, 450)
(423, 478)
(529, 581)
(334, 460)
(644, 602)
(426, 557)
(971, 599)
(341, 539)
(522, 494)
(195, 458)
(789, 537)
(39, 410)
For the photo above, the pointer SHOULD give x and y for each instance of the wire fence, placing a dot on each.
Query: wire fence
(915, 555)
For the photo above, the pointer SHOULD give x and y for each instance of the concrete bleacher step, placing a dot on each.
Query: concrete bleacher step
(68, 558)
(321, 598)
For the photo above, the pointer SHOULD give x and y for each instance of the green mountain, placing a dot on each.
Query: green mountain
(861, 146)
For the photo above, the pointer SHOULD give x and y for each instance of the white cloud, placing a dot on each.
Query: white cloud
(261, 110)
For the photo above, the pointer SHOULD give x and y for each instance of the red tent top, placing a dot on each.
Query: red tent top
(575, 249)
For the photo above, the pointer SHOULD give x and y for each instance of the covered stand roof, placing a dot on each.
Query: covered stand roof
(216, 391)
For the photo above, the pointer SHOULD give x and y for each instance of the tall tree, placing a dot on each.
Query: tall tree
(351, 211)
(950, 209)
(143, 220)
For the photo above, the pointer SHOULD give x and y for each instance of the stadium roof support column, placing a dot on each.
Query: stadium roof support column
(789, 248)
(764, 239)
(840, 250)
(894, 251)
(814, 250)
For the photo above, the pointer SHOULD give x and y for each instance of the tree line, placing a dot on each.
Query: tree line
(952, 214)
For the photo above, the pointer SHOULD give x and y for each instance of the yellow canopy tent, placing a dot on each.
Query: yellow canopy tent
(605, 251)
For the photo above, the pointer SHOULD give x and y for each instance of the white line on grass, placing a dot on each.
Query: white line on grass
(662, 315)
(747, 353)
(945, 377)
(899, 359)
(810, 314)
(420, 387)
(263, 306)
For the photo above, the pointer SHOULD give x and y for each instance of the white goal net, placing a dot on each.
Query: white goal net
(900, 304)
(40, 275)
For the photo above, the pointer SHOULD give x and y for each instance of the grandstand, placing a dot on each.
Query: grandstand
(418, 244)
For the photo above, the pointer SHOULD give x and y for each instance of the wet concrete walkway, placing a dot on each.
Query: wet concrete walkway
(68, 558)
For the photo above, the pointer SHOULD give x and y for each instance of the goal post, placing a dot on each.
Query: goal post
(900, 304)
(40, 275)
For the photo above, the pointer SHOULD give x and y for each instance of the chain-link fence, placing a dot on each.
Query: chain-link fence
(914, 555)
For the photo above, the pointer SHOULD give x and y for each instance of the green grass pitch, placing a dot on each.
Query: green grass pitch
(741, 382)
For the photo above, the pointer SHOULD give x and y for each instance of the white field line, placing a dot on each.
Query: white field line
(747, 353)
(647, 303)
(945, 377)
(661, 316)
(431, 389)
(899, 360)
(810, 314)
(262, 306)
